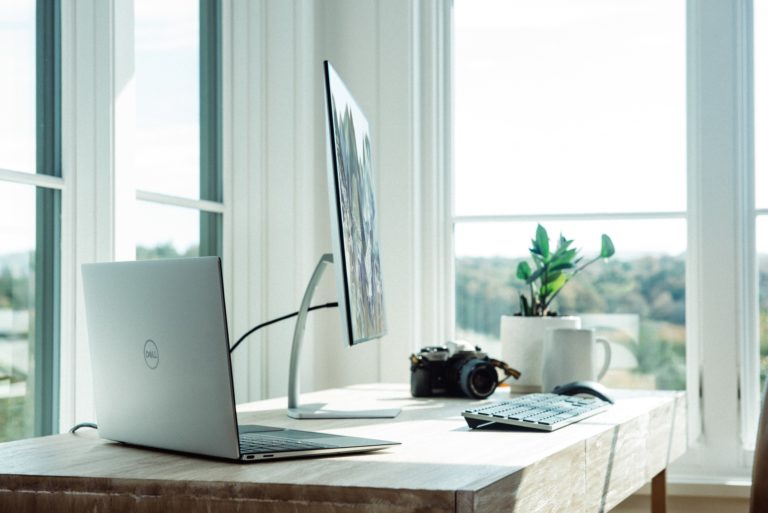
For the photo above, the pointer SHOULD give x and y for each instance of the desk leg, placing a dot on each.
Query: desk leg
(659, 492)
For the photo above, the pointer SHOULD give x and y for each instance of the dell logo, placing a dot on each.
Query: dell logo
(151, 354)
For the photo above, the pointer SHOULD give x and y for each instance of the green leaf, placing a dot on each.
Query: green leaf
(562, 257)
(561, 267)
(563, 243)
(523, 271)
(536, 274)
(551, 277)
(554, 286)
(542, 241)
(535, 249)
(607, 250)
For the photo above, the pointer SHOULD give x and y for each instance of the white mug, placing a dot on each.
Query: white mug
(522, 346)
(570, 354)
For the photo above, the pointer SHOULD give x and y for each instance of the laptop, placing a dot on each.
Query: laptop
(161, 366)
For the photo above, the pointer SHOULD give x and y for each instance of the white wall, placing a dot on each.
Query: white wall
(276, 120)
(276, 111)
(349, 36)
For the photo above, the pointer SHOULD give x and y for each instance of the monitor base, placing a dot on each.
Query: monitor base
(318, 411)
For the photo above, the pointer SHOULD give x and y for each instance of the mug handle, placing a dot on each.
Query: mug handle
(607, 363)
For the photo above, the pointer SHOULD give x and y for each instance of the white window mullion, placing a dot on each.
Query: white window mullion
(720, 247)
(745, 183)
(244, 172)
(124, 94)
(88, 105)
(67, 367)
(178, 201)
(38, 180)
(595, 216)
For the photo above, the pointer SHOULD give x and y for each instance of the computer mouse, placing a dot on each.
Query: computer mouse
(592, 388)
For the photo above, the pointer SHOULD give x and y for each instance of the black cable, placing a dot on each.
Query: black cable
(273, 321)
(84, 425)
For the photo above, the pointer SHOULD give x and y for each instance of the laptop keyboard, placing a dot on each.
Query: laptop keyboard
(255, 443)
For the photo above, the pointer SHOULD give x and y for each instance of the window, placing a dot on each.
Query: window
(30, 206)
(573, 114)
(761, 172)
(178, 98)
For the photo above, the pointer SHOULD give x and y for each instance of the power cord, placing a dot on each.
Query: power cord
(273, 321)
(83, 425)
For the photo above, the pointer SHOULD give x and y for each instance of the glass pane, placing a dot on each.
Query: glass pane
(636, 298)
(170, 232)
(569, 106)
(168, 97)
(17, 310)
(761, 101)
(17, 86)
(762, 266)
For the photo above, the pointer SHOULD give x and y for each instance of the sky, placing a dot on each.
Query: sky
(569, 107)
(167, 96)
(566, 106)
(167, 152)
(579, 104)
(17, 90)
(593, 93)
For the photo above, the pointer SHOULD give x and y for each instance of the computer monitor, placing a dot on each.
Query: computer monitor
(352, 200)
(355, 242)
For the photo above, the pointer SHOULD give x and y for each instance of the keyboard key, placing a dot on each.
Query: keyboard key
(251, 443)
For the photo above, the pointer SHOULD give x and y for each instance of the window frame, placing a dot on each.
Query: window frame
(211, 115)
(720, 144)
(49, 184)
(48, 243)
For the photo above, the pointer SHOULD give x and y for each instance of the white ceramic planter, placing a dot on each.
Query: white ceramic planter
(522, 347)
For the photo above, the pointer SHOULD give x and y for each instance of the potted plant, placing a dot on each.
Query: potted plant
(522, 335)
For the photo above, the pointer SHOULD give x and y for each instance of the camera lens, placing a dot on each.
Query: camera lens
(478, 378)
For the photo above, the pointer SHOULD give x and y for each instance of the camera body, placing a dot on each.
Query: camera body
(457, 369)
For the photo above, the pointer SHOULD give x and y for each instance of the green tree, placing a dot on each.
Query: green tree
(164, 250)
(651, 287)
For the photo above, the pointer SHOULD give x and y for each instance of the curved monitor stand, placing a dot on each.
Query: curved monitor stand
(318, 410)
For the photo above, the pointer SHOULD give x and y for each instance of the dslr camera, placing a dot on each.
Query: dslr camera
(456, 369)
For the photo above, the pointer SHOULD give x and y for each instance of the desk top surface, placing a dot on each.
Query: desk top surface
(438, 451)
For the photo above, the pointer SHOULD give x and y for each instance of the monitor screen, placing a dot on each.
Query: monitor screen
(353, 214)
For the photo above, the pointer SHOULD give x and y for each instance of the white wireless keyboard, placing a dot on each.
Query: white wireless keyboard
(546, 412)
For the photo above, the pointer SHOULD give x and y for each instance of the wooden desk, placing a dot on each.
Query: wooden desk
(441, 465)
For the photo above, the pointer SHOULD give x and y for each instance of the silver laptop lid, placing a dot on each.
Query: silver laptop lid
(160, 355)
